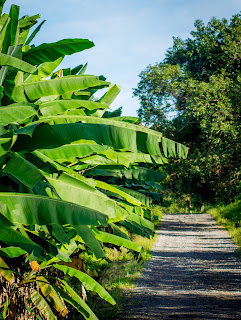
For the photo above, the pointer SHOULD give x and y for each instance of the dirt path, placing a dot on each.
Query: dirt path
(195, 273)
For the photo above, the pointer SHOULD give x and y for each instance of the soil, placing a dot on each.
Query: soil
(194, 273)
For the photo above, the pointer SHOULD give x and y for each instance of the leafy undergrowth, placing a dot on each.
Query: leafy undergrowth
(120, 274)
(229, 216)
(185, 203)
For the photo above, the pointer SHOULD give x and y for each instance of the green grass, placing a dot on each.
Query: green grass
(179, 204)
(229, 216)
(183, 203)
(120, 275)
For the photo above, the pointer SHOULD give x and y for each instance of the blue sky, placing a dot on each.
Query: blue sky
(128, 34)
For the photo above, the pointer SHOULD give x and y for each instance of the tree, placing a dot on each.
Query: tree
(193, 94)
(59, 160)
(115, 113)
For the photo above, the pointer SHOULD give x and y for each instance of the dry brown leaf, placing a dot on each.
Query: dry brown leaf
(12, 311)
(77, 264)
(34, 265)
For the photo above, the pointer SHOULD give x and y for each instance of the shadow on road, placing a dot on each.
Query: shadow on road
(194, 273)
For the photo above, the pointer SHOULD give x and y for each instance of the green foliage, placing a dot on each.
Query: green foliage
(114, 113)
(48, 52)
(55, 207)
(193, 95)
(120, 274)
(229, 216)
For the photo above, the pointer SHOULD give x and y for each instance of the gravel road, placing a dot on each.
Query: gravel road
(195, 273)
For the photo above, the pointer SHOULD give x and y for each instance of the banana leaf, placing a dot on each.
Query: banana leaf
(69, 151)
(7, 60)
(88, 282)
(76, 301)
(13, 238)
(89, 238)
(60, 106)
(1, 5)
(127, 119)
(42, 305)
(52, 51)
(27, 22)
(44, 70)
(7, 274)
(50, 293)
(119, 241)
(46, 136)
(58, 86)
(23, 170)
(75, 191)
(32, 209)
(16, 112)
(117, 191)
(12, 252)
(13, 14)
(5, 145)
(143, 139)
(140, 174)
(144, 199)
(33, 34)
(154, 195)
(110, 95)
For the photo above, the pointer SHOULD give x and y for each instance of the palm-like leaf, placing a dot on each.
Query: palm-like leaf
(42, 305)
(52, 51)
(70, 296)
(88, 282)
(63, 211)
(33, 209)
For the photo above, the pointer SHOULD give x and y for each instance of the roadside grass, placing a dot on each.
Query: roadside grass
(229, 216)
(119, 275)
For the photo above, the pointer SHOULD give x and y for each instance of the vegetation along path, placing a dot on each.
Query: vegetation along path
(194, 273)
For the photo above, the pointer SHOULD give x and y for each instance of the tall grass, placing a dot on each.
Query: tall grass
(229, 216)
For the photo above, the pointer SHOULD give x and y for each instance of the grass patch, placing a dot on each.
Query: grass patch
(183, 203)
(120, 275)
(229, 216)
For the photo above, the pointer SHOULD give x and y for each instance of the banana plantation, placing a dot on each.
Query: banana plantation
(71, 181)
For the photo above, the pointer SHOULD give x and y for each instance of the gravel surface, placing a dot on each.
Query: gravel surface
(194, 273)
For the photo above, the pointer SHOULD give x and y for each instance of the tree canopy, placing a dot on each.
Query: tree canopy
(194, 95)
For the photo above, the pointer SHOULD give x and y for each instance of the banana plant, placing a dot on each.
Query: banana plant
(66, 174)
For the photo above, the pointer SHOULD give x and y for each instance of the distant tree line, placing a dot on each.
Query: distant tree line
(193, 95)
